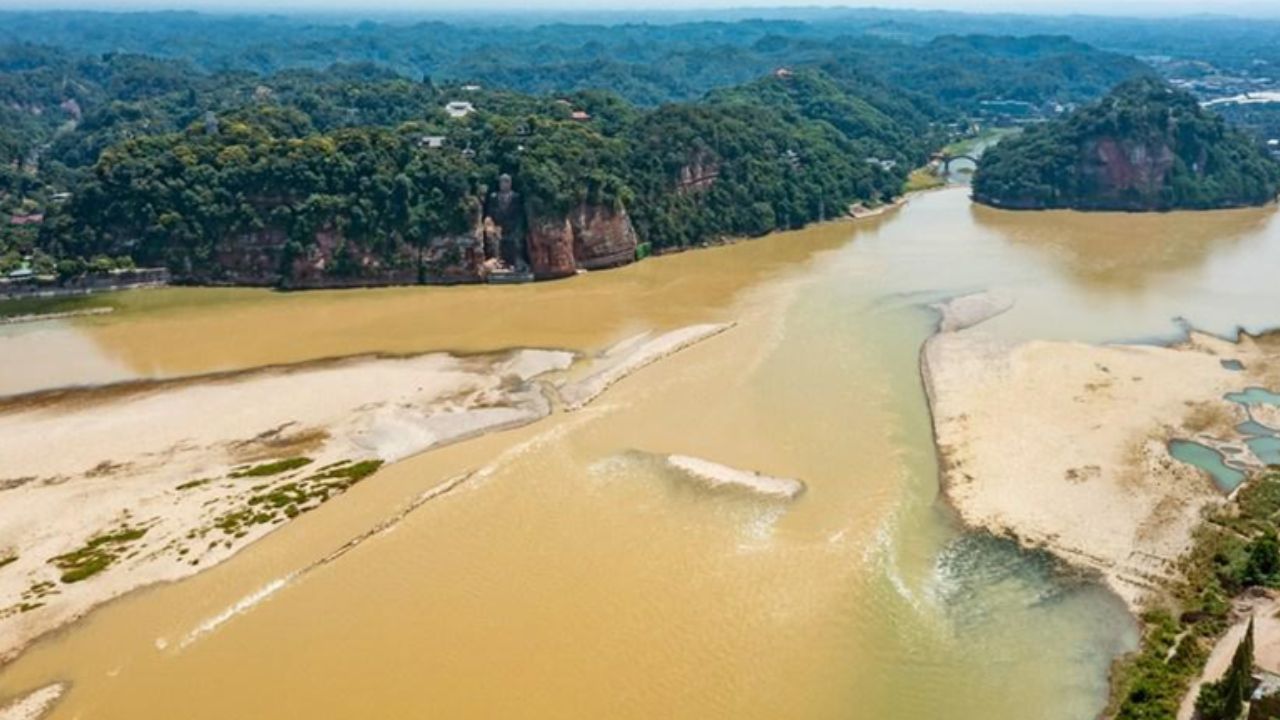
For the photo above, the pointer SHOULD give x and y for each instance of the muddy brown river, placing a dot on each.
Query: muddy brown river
(574, 577)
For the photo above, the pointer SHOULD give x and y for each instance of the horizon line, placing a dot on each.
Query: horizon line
(309, 8)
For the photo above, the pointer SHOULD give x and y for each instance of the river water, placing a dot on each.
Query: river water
(576, 577)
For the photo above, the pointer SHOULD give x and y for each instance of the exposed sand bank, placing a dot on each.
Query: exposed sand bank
(1063, 445)
(717, 475)
(859, 211)
(33, 705)
(629, 356)
(134, 484)
(152, 467)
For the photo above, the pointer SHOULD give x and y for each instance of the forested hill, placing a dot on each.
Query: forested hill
(357, 172)
(286, 189)
(1145, 146)
(646, 63)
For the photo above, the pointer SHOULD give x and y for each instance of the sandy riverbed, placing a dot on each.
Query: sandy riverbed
(33, 705)
(1063, 445)
(160, 480)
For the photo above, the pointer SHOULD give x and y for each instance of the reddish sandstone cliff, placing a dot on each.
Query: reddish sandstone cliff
(550, 245)
(1127, 169)
(589, 237)
(557, 245)
(603, 237)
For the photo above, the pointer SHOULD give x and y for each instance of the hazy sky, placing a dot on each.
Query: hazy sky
(1269, 8)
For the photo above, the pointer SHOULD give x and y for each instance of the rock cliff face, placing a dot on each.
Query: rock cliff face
(699, 173)
(334, 261)
(1115, 173)
(519, 235)
(1111, 173)
(455, 259)
(553, 245)
(590, 237)
(1126, 168)
(261, 258)
(550, 246)
(602, 237)
(248, 259)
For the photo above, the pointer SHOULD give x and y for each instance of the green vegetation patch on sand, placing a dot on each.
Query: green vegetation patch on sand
(350, 473)
(96, 555)
(272, 468)
(272, 504)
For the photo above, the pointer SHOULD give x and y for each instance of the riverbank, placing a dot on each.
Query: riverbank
(819, 382)
(112, 488)
(40, 288)
(1070, 448)
(852, 214)
(1064, 446)
(1226, 585)
(44, 317)
(30, 302)
(1261, 608)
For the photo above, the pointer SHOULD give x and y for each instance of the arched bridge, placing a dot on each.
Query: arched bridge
(944, 160)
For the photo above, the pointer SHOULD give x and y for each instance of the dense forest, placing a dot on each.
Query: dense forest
(1145, 146)
(375, 159)
(171, 198)
(645, 62)
(432, 44)
(230, 136)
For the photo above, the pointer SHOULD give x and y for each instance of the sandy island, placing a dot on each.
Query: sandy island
(33, 705)
(104, 490)
(630, 355)
(715, 475)
(1063, 445)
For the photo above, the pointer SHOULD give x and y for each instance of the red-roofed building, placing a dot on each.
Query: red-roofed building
(35, 219)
